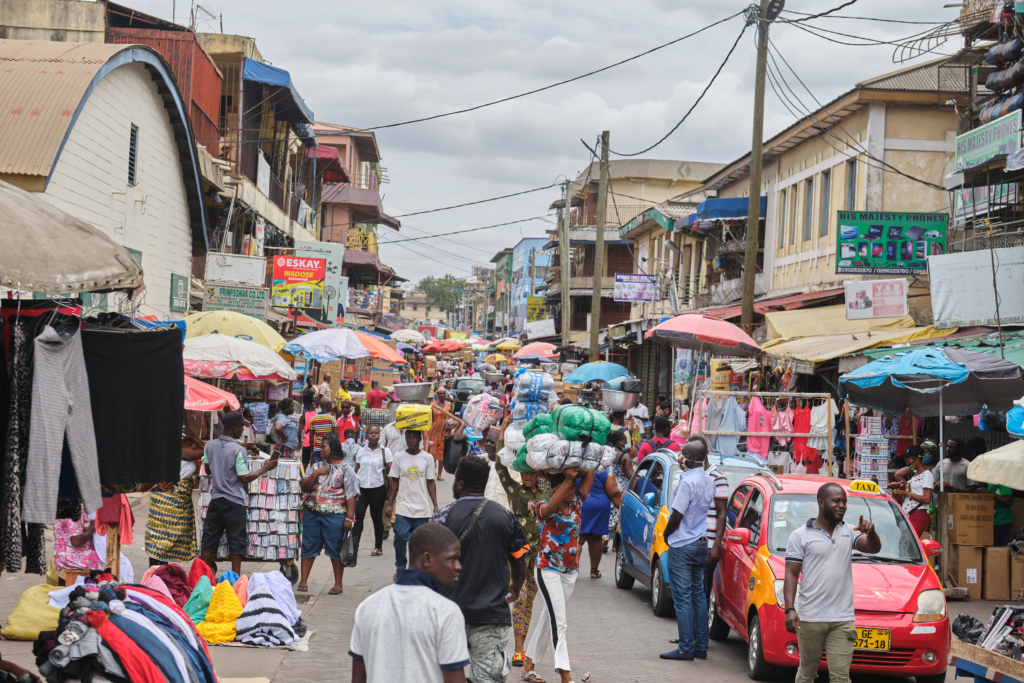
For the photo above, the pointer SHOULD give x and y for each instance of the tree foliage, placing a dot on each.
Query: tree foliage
(444, 291)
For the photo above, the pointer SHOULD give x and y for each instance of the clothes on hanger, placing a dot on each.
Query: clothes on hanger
(716, 404)
(734, 419)
(758, 420)
(820, 422)
(782, 421)
(802, 453)
(780, 458)
(906, 428)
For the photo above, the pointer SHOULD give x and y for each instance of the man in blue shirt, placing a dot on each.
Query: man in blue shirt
(688, 552)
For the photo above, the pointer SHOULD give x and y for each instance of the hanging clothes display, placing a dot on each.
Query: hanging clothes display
(906, 428)
(734, 419)
(782, 421)
(60, 405)
(758, 420)
(137, 385)
(715, 406)
(821, 420)
(802, 453)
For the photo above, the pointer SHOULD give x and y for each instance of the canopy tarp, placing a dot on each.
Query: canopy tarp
(328, 163)
(288, 105)
(1003, 466)
(809, 322)
(987, 342)
(825, 347)
(732, 208)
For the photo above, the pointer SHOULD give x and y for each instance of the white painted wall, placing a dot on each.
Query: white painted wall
(91, 180)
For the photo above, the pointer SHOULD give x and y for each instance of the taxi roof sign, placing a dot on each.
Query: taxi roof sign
(864, 486)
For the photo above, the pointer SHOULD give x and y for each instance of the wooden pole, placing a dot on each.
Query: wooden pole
(942, 514)
(846, 412)
(113, 559)
(602, 209)
(564, 269)
(828, 435)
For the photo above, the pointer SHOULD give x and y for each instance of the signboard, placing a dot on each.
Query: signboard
(298, 282)
(998, 138)
(250, 301)
(235, 269)
(962, 293)
(876, 299)
(262, 174)
(261, 235)
(876, 243)
(335, 286)
(540, 328)
(458, 335)
(179, 293)
(535, 308)
(971, 202)
(636, 288)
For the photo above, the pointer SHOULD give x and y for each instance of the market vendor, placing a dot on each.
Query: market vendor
(954, 469)
(171, 524)
(343, 397)
(1002, 514)
(286, 433)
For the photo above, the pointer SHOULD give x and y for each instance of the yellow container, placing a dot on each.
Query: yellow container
(413, 416)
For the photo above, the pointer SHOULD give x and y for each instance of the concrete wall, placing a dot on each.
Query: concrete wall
(74, 21)
(90, 180)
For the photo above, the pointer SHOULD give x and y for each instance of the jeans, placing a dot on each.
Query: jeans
(1001, 534)
(404, 526)
(487, 658)
(372, 499)
(322, 532)
(837, 638)
(709, 580)
(686, 573)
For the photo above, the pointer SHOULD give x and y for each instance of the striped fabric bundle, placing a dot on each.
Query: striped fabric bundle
(263, 623)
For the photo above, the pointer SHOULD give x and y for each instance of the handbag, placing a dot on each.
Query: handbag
(454, 451)
(348, 550)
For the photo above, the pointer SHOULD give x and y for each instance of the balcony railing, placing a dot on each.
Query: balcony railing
(277, 191)
(293, 209)
(613, 265)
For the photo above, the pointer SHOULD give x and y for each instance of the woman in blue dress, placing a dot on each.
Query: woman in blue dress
(595, 516)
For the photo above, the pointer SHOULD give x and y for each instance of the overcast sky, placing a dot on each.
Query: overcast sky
(374, 63)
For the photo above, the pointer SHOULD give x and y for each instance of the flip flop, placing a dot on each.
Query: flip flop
(336, 591)
(595, 574)
(302, 588)
(376, 552)
(518, 659)
(532, 677)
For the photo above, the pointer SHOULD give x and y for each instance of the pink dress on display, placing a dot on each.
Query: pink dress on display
(758, 420)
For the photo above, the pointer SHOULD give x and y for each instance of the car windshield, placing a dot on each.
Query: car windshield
(469, 385)
(899, 545)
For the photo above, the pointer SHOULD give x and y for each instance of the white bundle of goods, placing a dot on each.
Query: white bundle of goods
(507, 455)
(530, 384)
(548, 452)
(522, 395)
(514, 438)
(567, 368)
(523, 412)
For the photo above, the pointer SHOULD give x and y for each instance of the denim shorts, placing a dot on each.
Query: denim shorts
(322, 532)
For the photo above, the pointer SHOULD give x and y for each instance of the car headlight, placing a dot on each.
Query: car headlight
(931, 606)
(779, 599)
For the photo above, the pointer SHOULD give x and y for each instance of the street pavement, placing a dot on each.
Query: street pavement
(613, 634)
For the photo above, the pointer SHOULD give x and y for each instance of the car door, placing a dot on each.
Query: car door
(737, 575)
(649, 516)
(630, 519)
(727, 564)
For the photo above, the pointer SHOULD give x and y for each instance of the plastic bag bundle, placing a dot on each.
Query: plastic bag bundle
(567, 368)
(538, 425)
(507, 455)
(523, 411)
(487, 367)
(530, 384)
(482, 411)
(522, 395)
(548, 452)
(519, 465)
(596, 458)
(1009, 51)
(514, 438)
(577, 422)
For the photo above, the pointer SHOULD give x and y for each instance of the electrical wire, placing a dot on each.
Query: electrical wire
(871, 41)
(459, 232)
(570, 80)
(841, 16)
(690, 111)
(481, 201)
(817, 16)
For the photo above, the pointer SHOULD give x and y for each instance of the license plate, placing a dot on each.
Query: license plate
(872, 639)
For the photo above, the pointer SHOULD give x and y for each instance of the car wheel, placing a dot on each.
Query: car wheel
(717, 628)
(622, 579)
(757, 668)
(661, 594)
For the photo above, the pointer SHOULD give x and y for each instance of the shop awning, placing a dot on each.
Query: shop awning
(785, 303)
(1003, 466)
(288, 105)
(825, 347)
(328, 163)
(649, 215)
(810, 322)
(985, 342)
(733, 208)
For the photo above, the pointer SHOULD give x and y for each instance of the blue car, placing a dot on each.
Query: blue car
(642, 552)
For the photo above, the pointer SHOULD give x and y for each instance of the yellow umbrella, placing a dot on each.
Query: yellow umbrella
(495, 358)
(508, 345)
(237, 325)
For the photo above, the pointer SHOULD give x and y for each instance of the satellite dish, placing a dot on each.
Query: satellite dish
(774, 9)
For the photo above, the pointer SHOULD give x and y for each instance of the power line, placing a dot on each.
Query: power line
(555, 85)
(822, 14)
(459, 232)
(481, 201)
(687, 115)
(468, 246)
(842, 16)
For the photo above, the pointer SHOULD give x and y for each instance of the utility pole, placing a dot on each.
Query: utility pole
(602, 208)
(565, 269)
(770, 9)
(529, 273)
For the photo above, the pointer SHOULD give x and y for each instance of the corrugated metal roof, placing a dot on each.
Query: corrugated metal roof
(921, 78)
(663, 169)
(41, 86)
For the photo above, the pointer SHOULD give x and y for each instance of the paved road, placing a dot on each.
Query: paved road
(613, 634)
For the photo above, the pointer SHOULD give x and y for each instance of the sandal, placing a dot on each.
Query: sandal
(595, 574)
(532, 677)
(336, 591)
(302, 588)
(518, 659)
(376, 552)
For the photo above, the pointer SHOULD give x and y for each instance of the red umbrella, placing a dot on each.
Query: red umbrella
(434, 347)
(202, 396)
(537, 348)
(704, 333)
(450, 346)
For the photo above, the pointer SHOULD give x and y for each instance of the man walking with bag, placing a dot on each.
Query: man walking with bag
(494, 555)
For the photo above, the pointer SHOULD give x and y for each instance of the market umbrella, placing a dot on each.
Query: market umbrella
(597, 371)
(379, 349)
(406, 348)
(201, 396)
(495, 358)
(506, 344)
(235, 325)
(537, 348)
(409, 337)
(220, 355)
(434, 347)
(704, 333)
(50, 251)
(451, 346)
(1003, 466)
(327, 345)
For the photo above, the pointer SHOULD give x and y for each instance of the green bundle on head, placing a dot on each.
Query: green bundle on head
(574, 423)
(520, 463)
(538, 425)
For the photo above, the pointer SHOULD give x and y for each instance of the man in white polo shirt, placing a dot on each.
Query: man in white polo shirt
(822, 617)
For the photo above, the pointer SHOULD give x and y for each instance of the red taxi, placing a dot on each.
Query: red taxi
(900, 610)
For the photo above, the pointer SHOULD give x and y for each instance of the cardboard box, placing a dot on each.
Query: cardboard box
(970, 519)
(965, 564)
(468, 356)
(431, 372)
(996, 584)
(380, 364)
(386, 378)
(1018, 517)
(1016, 574)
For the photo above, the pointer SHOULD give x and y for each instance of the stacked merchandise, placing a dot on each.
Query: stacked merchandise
(413, 416)
(430, 367)
(531, 395)
(482, 411)
(274, 501)
(872, 460)
(569, 437)
(1004, 632)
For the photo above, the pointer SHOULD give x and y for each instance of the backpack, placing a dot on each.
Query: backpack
(656, 446)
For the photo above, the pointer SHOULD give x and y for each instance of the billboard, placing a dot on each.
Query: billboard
(879, 243)
(298, 282)
(876, 299)
(237, 269)
(962, 291)
(971, 202)
(636, 288)
(535, 308)
(251, 301)
(540, 328)
(335, 297)
(998, 138)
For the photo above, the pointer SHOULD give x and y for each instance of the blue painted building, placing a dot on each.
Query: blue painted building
(529, 264)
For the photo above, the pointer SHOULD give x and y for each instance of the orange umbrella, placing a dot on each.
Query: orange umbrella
(379, 349)
(202, 396)
(537, 348)
(434, 347)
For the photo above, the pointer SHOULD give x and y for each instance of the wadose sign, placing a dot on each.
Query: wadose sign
(298, 282)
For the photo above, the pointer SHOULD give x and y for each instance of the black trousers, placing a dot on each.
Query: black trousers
(374, 499)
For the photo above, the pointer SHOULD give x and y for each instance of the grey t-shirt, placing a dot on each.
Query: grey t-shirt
(953, 473)
(226, 459)
(826, 581)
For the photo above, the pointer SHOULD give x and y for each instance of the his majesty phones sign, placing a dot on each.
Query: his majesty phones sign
(879, 243)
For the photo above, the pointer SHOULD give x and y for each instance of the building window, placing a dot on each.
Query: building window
(808, 208)
(851, 185)
(133, 155)
(782, 221)
(792, 215)
(826, 192)
(415, 307)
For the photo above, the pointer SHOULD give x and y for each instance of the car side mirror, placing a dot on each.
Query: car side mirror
(931, 547)
(739, 536)
(649, 500)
